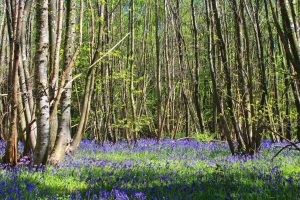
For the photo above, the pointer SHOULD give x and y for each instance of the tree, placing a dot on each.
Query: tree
(41, 83)
(197, 70)
(11, 153)
(64, 131)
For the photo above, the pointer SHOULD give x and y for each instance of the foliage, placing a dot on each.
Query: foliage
(204, 137)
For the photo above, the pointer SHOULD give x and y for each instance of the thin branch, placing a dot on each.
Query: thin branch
(283, 148)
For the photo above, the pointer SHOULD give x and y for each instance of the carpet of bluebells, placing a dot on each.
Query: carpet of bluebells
(148, 170)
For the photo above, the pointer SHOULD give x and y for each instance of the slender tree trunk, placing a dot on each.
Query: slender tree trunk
(227, 71)
(247, 121)
(11, 154)
(214, 80)
(64, 131)
(158, 72)
(182, 65)
(167, 65)
(88, 91)
(55, 72)
(26, 96)
(41, 83)
(262, 109)
(55, 29)
(275, 73)
(131, 59)
(197, 70)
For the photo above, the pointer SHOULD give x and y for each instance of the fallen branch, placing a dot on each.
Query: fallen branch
(186, 138)
(286, 146)
(283, 148)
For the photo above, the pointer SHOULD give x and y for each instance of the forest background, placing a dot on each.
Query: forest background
(113, 70)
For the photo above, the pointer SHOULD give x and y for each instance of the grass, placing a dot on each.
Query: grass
(169, 170)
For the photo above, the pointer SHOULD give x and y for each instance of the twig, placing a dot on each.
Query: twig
(283, 148)
(289, 141)
(186, 138)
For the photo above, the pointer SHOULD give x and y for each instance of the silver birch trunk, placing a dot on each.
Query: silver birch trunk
(41, 83)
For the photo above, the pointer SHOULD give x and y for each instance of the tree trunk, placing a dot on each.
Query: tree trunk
(227, 71)
(197, 70)
(158, 73)
(41, 83)
(131, 69)
(64, 131)
(11, 153)
(214, 80)
(88, 91)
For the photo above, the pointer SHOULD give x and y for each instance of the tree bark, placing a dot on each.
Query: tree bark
(64, 131)
(227, 71)
(214, 80)
(197, 70)
(41, 83)
(11, 151)
(158, 73)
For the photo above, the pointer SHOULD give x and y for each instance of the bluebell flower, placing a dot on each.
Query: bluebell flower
(120, 195)
(29, 186)
(140, 195)
(289, 180)
(104, 194)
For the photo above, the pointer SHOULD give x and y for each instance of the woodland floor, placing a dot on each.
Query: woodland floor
(169, 170)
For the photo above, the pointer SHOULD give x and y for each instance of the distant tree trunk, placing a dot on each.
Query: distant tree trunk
(291, 24)
(262, 110)
(287, 36)
(285, 64)
(290, 80)
(272, 56)
(158, 73)
(291, 34)
(168, 68)
(88, 92)
(131, 68)
(247, 133)
(227, 71)
(214, 80)
(89, 86)
(41, 83)
(197, 70)
(183, 94)
(288, 133)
